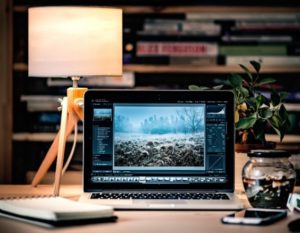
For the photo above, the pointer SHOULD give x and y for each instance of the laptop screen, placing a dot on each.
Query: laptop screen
(158, 139)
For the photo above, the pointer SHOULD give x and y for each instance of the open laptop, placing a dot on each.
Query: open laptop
(159, 149)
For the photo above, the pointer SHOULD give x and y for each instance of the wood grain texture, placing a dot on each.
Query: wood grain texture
(137, 221)
(5, 92)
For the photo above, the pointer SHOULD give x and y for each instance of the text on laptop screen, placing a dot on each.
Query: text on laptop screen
(182, 142)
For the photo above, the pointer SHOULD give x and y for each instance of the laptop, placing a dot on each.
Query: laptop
(159, 149)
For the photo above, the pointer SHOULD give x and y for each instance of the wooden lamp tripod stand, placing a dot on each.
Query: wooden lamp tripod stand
(71, 113)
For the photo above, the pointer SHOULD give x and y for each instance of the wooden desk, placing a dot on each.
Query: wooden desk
(137, 221)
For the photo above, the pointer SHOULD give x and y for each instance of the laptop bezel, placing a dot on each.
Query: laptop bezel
(140, 96)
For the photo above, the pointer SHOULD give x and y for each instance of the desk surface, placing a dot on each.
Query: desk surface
(136, 221)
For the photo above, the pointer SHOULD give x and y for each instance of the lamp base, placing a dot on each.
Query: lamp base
(71, 114)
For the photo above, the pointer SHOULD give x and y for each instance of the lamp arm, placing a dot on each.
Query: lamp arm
(61, 146)
(52, 152)
(71, 154)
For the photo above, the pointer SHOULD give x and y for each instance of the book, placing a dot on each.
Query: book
(281, 26)
(253, 50)
(180, 27)
(36, 103)
(194, 61)
(126, 80)
(265, 60)
(180, 60)
(243, 16)
(53, 210)
(176, 49)
(256, 38)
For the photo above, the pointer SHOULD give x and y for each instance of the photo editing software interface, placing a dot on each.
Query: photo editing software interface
(159, 143)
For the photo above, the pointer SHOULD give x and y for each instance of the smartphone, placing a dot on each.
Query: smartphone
(255, 216)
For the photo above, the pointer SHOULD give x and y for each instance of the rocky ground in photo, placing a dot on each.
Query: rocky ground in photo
(160, 151)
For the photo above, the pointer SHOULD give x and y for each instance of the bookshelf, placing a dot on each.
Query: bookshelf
(48, 137)
(204, 69)
(22, 67)
(146, 75)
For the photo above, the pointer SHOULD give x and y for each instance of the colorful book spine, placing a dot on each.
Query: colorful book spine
(176, 49)
(242, 16)
(265, 60)
(256, 39)
(195, 61)
(253, 50)
(279, 26)
(180, 27)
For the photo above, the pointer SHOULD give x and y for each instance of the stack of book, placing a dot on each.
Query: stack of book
(216, 39)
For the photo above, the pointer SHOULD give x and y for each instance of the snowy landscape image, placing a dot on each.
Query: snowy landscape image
(159, 136)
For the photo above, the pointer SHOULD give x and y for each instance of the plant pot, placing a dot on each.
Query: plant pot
(241, 158)
(245, 148)
(269, 178)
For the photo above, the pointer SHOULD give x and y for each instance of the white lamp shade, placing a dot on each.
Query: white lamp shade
(74, 41)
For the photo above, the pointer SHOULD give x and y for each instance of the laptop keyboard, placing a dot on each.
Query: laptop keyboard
(184, 196)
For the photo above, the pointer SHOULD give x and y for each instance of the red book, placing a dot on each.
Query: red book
(176, 49)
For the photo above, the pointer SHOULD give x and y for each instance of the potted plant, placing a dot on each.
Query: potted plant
(254, 112)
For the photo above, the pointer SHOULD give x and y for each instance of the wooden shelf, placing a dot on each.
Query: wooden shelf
(25, 136)
(205, 69)
(210, 9)
(41, 137)
(290, 143)
(192, 9)
(23, 67)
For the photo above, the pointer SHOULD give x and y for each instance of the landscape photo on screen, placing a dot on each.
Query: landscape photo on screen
(159, 135)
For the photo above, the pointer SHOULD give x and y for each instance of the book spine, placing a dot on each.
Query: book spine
(294, 49)
(176, 49)
(265, 60)
(253, 50)
(279, 26)
(256, 39)
(242, 16)
(198, 61)
(161, 25)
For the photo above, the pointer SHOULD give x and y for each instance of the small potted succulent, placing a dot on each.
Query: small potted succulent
(254, 112)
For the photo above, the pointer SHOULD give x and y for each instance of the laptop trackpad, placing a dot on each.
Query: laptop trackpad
(159, 203)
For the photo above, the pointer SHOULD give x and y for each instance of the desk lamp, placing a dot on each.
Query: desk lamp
(72, 42)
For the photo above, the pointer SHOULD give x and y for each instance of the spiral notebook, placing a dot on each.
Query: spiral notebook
(55, 211)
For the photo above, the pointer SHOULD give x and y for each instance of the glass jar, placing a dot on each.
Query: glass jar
(268, 178)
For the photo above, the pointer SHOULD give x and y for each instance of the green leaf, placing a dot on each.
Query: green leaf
(259, 130)
(251, 102)
(247, 71)
(278, 132)
(256, 65)
(284, 115)
(260, 99)
(197, 88)
(278, 125)
(265, 112)
(236, 80)
(298, 202)
(218, 87)
(275, 121)
(265, 81)
(283, 95)
(247, 122)
(244, 92)
(275, 98)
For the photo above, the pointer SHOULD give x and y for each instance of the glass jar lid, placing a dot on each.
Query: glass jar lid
(269, 153)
